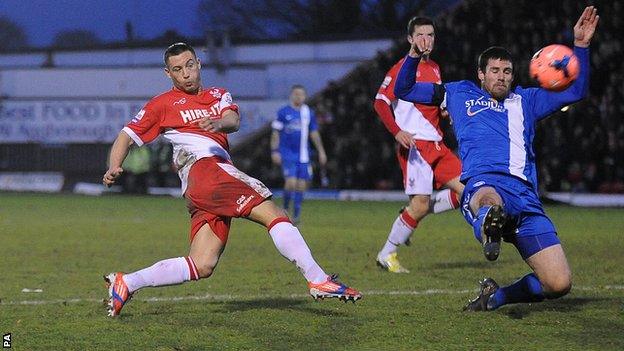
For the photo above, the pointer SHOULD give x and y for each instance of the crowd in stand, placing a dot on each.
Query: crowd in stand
(579, 150)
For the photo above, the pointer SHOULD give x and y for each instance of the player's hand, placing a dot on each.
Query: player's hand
(422, 45)
(322, 159)
(404, 138)
(111, 176)
(276, 158)
(211, 125)
(444, 113)
(585, 27)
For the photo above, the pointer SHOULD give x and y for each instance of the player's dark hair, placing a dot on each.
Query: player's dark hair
(297, 86)
(177, 49)
(493, 52)
(419, 21)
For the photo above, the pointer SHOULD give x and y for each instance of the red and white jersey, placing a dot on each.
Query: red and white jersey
(421, 120)
(176, 114)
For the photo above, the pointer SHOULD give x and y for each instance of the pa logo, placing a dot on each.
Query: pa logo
(6, 341)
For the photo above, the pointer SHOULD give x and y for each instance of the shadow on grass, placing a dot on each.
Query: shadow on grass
(481, 264)
(282, 304)
(573, 304)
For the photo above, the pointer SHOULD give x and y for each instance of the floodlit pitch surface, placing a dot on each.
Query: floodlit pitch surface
(256, 300)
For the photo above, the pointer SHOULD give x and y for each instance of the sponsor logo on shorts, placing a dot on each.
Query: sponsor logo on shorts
(243, 201)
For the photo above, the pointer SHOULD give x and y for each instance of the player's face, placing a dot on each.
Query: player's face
(497, 78)
(183, 69)
(422, 31)
(297, 96)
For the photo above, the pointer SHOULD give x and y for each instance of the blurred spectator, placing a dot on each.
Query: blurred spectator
(136, 168)
(161, 165)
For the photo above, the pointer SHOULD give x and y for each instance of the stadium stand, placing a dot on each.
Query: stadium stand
(579, 151)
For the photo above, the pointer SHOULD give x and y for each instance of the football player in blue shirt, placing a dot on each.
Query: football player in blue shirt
(293, 128)
(495, 127)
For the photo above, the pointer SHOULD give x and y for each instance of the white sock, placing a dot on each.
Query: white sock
(166, 272)
(399, 234)
(290, 244)
(443, 200)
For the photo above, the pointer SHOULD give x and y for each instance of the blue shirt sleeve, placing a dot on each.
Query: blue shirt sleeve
(279, 122)
(406, 88)
(546, 102)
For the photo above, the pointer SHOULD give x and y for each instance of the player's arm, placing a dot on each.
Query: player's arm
(228, 123)
(118, 154)
(143, 128)
(276, 157)
(315, 137)
(386, 115)
(408, 89)
(547, 102)
(228, 120)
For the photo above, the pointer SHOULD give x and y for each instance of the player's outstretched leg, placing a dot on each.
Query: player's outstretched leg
(118, 294)
(551, 278)
(333, 288)
(480, 303)
(292, 246)
(491, 297)
(206, 248)
(122, 286)
(489, 220)
(488, 228)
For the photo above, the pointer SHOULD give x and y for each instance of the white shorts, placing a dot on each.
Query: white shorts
(427, 165)
(419, 175)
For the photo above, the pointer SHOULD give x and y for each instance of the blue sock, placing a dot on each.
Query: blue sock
(526, 289)
(298, 199)
(287, 196)
(476, 224)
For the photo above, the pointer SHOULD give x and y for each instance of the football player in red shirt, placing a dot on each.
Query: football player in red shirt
(425, 161)
(196, 120)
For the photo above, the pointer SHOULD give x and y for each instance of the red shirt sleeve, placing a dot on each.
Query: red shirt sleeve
(145, 126)
(386, 90)
(225, 101)
(385, 97)
(385, 114)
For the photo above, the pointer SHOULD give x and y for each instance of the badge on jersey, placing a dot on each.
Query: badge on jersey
(386, 82)
(138, 116)
(215, 92)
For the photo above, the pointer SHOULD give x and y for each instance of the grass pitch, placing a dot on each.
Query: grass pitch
(256, 300)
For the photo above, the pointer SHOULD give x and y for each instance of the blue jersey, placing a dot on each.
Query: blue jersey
(494, 136)
(294, 126)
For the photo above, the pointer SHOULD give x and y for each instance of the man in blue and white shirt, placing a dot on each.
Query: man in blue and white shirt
(495, 128)
(293, 128)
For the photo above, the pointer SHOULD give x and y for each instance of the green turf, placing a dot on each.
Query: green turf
(63, 244)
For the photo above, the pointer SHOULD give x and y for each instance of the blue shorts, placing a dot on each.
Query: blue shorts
(527, 246)
(295, 169)
(522, 203)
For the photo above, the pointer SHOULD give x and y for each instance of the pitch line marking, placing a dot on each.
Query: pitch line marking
(230, 297)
